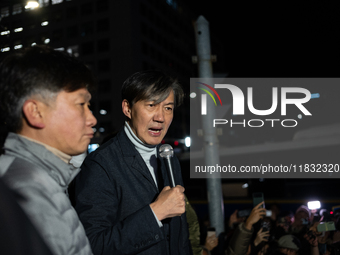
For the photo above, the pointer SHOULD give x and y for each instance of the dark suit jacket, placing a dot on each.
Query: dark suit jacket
(112, 196)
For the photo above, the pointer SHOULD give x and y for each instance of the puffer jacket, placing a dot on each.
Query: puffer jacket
(240, 241)
(41, 178)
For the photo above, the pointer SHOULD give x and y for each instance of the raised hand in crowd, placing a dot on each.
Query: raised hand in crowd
(311, 237)
(256, 214)
(211, 242)
(241, 239)
(261, 236)
(234, 219)
(313, 241)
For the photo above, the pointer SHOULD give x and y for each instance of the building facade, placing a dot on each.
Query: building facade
(115, 39)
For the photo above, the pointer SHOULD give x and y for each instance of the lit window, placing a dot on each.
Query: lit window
(45, 23)
(7, 32)
(19, 29)
(93, 147)
(60, 49)
(16, 9)
(19, 46)
(57, 1)
(5, 49)
(45, 2)
(4, 12)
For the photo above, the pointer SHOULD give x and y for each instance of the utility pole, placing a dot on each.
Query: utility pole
(211, 146)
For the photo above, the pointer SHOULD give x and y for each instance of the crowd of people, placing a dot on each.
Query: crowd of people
(123, 199)
(307, 232)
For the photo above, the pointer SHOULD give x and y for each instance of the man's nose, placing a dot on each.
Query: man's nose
(159, 115)
(90, 119)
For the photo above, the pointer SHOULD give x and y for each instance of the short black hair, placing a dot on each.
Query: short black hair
(37, 71)
(153, 85)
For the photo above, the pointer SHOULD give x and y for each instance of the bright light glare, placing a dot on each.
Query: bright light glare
(300, 116)
(45, 23)
(5, 32)
(244, 186)
(32, 5)
(101, 129)
(187, 141)
(19, 29)
(47, 40)
(33, 44)
(313, 205)
(103, 112)
(193, 95)
(93, 147)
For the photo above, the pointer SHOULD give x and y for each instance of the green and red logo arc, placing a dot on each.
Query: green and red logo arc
(209, 93)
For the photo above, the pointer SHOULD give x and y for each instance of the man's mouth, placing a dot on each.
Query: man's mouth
(90, 135)
(155, 130)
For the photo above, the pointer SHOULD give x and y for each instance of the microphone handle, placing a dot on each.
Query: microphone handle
(170, 173)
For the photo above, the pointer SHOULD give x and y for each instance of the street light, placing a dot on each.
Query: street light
(32, 5)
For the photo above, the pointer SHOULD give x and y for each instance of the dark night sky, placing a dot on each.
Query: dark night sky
(276, 39)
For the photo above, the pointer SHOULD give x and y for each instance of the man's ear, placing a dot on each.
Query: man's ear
(126, 108)
(32, 113)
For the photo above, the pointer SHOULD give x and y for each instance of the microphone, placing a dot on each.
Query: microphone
(166, 152)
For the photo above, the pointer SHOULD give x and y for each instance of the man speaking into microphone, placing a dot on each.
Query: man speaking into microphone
(123, 195)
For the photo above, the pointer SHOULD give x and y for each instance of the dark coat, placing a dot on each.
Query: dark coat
(112, 196)
(240, 240)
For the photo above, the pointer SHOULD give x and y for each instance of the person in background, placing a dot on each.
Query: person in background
(44, 102)
(301, 220)
(288, 245)
(240, 242)
(194, 233)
